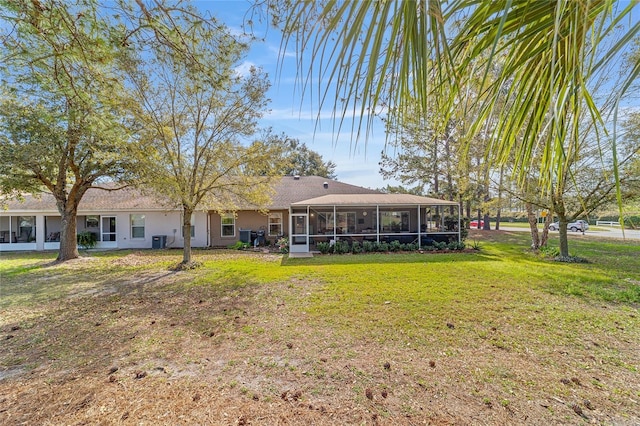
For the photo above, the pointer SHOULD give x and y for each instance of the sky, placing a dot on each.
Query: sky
(296, 115)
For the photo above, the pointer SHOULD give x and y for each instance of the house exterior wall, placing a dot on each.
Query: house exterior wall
(156, 223)
(245, 219)
(160, 223)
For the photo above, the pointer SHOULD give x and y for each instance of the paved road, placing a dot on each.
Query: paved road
(613, 233)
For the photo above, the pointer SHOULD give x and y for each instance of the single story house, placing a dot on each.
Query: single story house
(306, 209)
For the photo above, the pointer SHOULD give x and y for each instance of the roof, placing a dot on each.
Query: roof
(373, 199)
(98, 200)
(293, 189)
(288, 190)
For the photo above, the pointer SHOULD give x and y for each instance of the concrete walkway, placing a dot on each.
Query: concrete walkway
(300, 255)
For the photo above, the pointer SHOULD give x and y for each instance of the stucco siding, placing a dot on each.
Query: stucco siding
(155, 223)
(244, 220)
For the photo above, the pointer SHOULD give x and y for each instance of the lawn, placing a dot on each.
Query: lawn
(497, 336)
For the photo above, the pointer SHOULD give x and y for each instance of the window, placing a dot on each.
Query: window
(346, 222)
(92, 222)
(137, 226)
(325, 223)
(108, 228)
(228, 224)
(394, 221)
(26, 229)
(193, 227)
(193, 231)
(275, 223)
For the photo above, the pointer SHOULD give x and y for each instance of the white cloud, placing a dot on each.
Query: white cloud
(277, 50)
(238, 32)
(244, 69)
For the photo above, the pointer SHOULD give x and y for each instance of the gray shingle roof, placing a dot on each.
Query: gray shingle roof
(288, 190)
(374, 199)
(292, 189)
(127, 199)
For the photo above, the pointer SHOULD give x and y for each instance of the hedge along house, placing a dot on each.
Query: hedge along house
(372, 217)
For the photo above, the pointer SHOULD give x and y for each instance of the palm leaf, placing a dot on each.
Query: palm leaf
(369, 55)
(396, 54)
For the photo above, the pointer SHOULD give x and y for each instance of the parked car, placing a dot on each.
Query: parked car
(578, 225)
(474, 224)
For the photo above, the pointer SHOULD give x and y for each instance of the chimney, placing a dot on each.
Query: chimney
(296, 177)
(325, 185)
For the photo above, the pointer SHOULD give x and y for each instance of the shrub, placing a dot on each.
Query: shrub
(395, 246)
(324, 247)
(464, 232)
(454, 245)
(283, 245)
(239, 245)
(440, 245)
(341, 247)
(368, 246)
(87, 240)
(451, 224)
(550, 251)
(475, 245)
(356, 247)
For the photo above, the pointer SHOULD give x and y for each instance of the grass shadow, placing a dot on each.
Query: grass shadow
(119, 322)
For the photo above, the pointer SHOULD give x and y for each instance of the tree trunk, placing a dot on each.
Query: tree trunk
(486, 198)
(67, 203)
(447, 147)
(499, 199)
(533, 225)
(559, 209)
(545, 231)
(563, 237)
(436, 181)
(68, 230)
(186, 232)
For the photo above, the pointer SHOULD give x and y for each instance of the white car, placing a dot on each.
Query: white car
(578, 225)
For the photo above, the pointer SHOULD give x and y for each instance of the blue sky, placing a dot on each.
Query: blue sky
(357, 163)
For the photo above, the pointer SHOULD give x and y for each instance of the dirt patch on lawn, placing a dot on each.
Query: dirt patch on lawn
(151, 351)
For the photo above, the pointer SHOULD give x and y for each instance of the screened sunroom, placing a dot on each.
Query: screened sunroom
(372, 217)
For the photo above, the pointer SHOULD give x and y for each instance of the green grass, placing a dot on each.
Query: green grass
(408, 295)
(501, 266)
(502, 325)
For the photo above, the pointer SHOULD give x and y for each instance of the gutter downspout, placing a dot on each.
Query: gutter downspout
(335, 231)
(419, 229)
(459, 229)
(378, 223)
